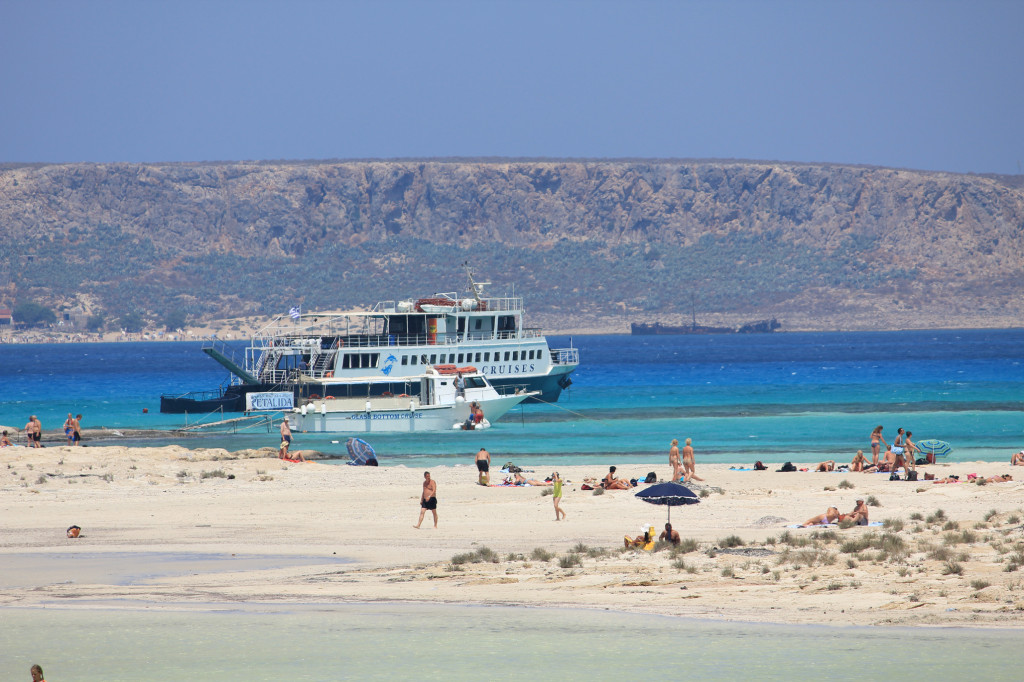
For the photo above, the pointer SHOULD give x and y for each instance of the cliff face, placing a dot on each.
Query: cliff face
(819, 246)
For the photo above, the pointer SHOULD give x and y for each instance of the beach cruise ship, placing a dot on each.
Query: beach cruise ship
(395, 342)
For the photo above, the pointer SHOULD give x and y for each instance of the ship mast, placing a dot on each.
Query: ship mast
(478, 288)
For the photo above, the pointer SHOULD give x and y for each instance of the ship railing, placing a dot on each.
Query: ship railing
(510, 389)
(501, 305)
(565, 356)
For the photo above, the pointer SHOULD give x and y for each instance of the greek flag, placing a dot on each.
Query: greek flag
(294, 312)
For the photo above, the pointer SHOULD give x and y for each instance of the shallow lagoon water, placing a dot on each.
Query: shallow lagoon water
(442, 642)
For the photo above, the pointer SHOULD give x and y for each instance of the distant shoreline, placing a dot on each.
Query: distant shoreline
(206, 334)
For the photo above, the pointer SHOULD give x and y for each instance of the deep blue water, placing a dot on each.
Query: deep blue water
(773, 397)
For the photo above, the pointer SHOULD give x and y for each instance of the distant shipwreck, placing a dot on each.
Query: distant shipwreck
(656, 329)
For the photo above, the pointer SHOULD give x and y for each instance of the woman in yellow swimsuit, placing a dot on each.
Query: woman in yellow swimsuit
(556, 495)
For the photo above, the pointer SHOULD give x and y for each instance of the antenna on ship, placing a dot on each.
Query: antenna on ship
(478, 287)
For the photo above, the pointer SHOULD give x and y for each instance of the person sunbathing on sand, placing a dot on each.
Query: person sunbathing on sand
(948, 479)
(859, 515)
(828, 465)
(645, 541)
(612, 483)
(520, 480)
(888, 462)
(670, 535)
(998, 479)
(858, 462)
(830, 516)
(1017, 459)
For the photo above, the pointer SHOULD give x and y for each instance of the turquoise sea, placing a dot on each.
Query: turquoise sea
(774, 397)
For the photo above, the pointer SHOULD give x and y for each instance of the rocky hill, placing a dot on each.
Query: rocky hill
(592, 245)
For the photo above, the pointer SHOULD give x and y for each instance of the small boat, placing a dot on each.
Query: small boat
(430, 402)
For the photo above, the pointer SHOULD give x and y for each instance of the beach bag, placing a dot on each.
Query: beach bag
(911, 475)
(74, 531)
(586, 487)
(788, 466)
(894, 476)
(651, 478)
(923, 460)
(929, 477)
(758, 466)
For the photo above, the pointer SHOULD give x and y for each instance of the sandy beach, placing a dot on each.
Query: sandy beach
(323, 533)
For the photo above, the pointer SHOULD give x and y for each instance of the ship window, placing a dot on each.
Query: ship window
(359, 360)
(460, 358)
(451, 358)
(433, 358)
(478, 357)
(479, 324)
(405, 359)
(475, 382)
(506, 356)
(487, 356)
(413, 360)
(515, 356)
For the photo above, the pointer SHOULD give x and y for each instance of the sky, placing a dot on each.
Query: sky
(931, 85)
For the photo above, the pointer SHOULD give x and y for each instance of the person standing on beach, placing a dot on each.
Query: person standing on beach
(673, 459)
(428, 499)
(689, 466)
(76, 424)
(876, 436)
(897, 443)
(69, 429)
(483, 465)
(556, 495)
(910, 452)
(286, 439)
(37, 674)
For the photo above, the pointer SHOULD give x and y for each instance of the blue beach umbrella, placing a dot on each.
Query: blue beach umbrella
(360, 452)
(669, 494)
(939, 448)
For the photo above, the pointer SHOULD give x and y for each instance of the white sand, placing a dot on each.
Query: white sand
(134, 501)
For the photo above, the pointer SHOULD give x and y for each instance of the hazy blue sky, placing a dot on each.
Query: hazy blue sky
(931, 85)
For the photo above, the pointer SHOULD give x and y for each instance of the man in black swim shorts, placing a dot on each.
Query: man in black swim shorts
(483, 465)
(428, 499)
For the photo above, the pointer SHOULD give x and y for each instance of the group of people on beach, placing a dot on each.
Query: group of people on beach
(73, 429)
(34, 432)
(900, 454)
(684, 467)
(859, 516)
